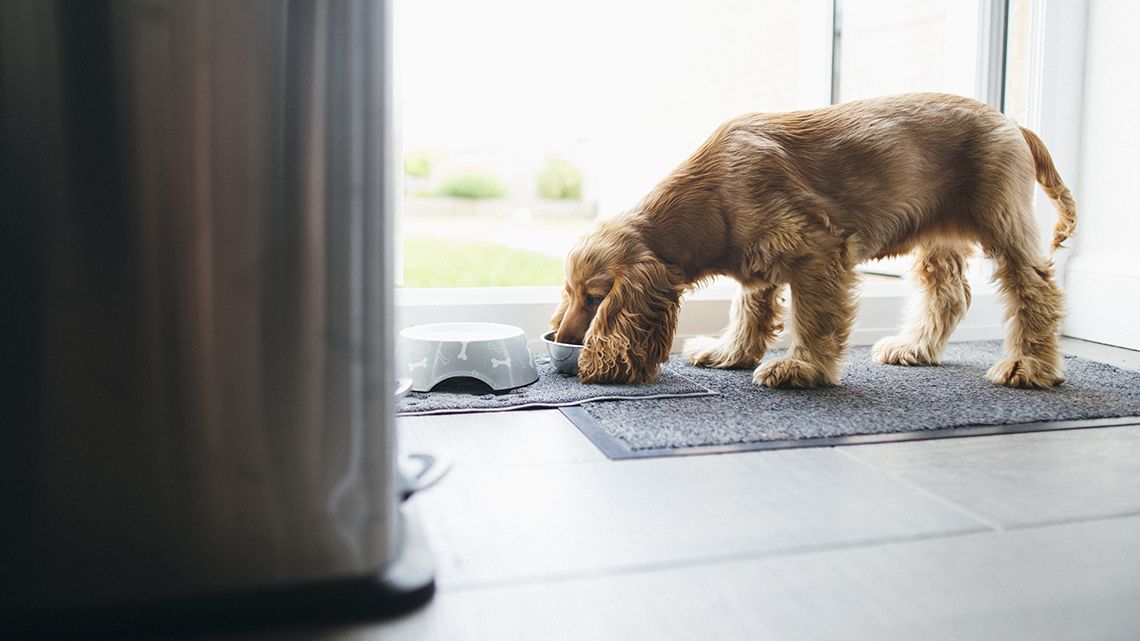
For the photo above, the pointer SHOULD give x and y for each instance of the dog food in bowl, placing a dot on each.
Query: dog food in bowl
(563, 355)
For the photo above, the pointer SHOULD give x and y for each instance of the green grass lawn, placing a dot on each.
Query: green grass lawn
(438, 262)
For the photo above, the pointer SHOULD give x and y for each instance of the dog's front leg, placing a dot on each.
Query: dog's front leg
(754, 320)
(940, 270)
(823, 310)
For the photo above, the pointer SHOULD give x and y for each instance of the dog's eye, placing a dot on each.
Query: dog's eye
(594, 300)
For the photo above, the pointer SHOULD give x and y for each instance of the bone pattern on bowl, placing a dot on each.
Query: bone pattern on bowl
(495, 354)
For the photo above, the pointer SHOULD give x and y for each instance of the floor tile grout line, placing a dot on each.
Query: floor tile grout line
(1021, 527)
(761, 556)
(693, 562)
(991, 524)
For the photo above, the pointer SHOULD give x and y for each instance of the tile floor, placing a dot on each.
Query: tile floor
(539, 537)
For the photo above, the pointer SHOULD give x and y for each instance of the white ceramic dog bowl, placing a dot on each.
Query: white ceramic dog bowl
(493, 353)
(564, 356)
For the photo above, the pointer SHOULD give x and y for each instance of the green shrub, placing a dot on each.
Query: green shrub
(472, 184)
(417, 165)
(560, 179)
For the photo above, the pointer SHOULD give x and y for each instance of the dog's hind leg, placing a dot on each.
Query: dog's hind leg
(754, 320)
(823, 309)
(1033, 302)
(1033, 305)
(940, 271)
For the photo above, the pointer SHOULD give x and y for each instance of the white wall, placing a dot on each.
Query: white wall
(1103, 274)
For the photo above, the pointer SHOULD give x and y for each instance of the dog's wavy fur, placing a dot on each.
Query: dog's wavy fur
(798, 199)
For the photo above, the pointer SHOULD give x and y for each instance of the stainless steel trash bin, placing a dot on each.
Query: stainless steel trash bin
(197, 275)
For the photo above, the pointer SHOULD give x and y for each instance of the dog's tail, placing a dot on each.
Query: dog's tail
(1054, 187)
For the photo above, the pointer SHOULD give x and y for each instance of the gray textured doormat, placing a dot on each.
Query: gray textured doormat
(874, 403)
(551, 390)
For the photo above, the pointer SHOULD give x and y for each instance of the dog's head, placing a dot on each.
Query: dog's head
(621, 303)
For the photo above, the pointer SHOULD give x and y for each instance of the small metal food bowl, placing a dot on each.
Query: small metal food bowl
(563, 355)
(494, 353)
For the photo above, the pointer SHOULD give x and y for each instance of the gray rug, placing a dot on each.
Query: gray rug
(873, 399)
(550, 390)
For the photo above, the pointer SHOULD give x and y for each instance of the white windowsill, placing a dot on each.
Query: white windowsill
(705, 311)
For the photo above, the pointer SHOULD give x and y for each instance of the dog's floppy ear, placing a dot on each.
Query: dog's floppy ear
(632, 333)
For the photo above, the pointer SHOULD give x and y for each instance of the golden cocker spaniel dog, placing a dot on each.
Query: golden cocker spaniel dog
(774, 199)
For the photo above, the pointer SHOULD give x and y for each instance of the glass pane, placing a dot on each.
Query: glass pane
(896, 46)
(523, 120)
(1019, 77)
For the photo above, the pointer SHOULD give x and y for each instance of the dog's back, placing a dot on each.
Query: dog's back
(887, 171)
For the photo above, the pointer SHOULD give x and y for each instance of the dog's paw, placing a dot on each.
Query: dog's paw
(895, 350)
(706, 351)
(790, 372)
(1025, 372)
